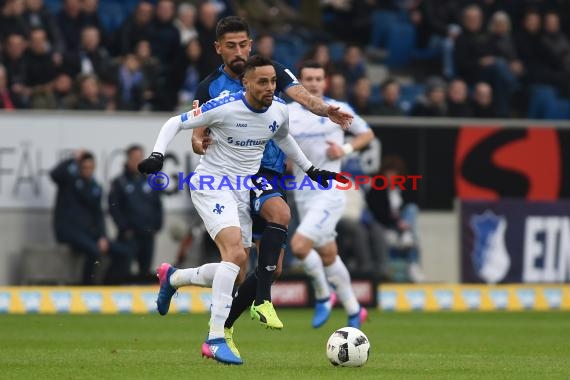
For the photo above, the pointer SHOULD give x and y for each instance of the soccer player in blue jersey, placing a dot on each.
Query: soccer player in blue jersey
(270, 209)
(225, 209)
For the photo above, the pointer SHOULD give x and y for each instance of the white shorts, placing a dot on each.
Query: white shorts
(319, 217)
(224, 208)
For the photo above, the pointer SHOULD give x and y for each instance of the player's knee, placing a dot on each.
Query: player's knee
(236, 255)
(300, 247)
(279, 215)
(328, 258)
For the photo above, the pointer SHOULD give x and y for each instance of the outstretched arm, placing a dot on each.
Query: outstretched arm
(318, 106)
(288, 144)
(189, 120)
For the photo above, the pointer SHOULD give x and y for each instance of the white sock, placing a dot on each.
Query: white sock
(222, 287)
(313, 266)
(200, 276)
(338, 275)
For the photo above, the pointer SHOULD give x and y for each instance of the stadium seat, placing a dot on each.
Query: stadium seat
(542, 98)
(408, 95)
(401, 44)
(336, 50)
(559, 109)
(112, 15)
(382, 24)
(53, 6)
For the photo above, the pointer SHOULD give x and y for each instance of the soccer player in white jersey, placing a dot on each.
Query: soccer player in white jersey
(242, 124)
(320, 210)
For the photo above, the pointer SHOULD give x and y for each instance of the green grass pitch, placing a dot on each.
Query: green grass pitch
(518, 345)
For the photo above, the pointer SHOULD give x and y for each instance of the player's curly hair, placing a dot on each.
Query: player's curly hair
(231, 24)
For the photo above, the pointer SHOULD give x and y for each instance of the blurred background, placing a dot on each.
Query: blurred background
(474, 96)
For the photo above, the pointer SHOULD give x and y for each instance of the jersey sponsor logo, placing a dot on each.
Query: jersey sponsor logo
(241, 125)
(248, 142)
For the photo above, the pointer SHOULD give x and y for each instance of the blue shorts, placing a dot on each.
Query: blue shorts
(272, 188)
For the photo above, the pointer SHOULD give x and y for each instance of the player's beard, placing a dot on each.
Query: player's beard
(267, 101)
(237, 66)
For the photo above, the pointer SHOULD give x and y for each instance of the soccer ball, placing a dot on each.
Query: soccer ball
(348, 347)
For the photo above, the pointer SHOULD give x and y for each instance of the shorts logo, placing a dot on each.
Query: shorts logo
(273, 127)
(218, 209)
(256, 205)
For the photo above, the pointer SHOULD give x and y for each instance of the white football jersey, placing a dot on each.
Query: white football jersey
(240, 132)
(312, 133)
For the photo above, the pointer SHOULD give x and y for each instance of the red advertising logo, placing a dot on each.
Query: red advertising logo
(491, 163)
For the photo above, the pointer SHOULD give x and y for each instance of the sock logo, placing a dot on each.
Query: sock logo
(270, 268)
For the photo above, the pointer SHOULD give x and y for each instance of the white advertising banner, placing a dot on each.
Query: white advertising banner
(33, 143)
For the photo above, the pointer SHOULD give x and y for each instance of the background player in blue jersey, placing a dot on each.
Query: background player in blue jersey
(271, 212)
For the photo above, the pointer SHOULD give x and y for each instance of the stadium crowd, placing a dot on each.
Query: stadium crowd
(480, 58)
(483, 58)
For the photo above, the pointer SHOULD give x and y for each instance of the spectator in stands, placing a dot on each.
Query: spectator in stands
(90, 15)
(15, 62)
(436, 28)
(475, 61)
(136, 210)
(90, 57)
(149, 66)
(337, 87)
(389, 105)
(90, 97)
(12, 19)
(320, 52)
(6, 102)
(360, 97)
(136, 28)
(457, 103)
(358, 12)
(265, 45)
(556, 44)
(502, 44)
(352, 65)
(37, 16)
(432, 103)
(539, 65)
(70, 21)
(165, 45)
(188, 73)
(62, 92)
(40, 69)
(165, 38)
(206, 27)
(482, 103)
(132, 84)
(275, 16)
(79, 220)
(434, 20)
(185, 23)
(394, 209)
